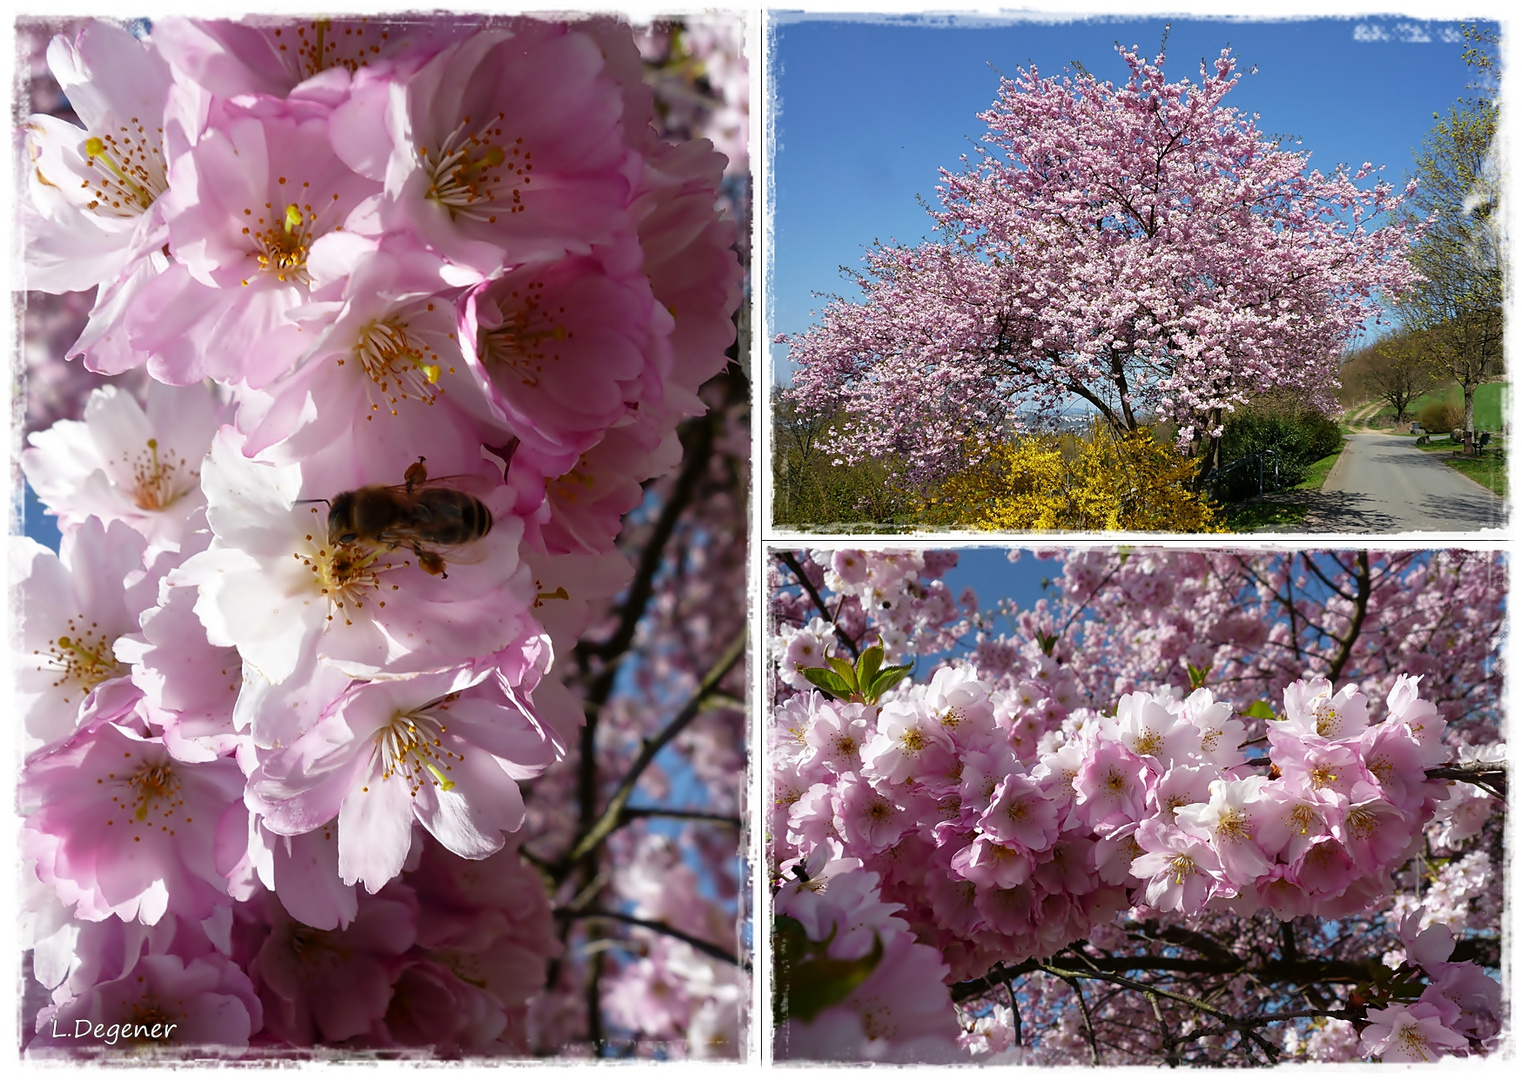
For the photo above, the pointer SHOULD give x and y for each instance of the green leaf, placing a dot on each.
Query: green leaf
(808, 980)
(1197, 676)
(1124, 551)
(867, 666)
(828, 681)
(886, 679)
(1046, 641)
(1261, 709)
(844, 669)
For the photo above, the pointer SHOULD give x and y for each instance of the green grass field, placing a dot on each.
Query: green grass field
(1488, 401)
(1488, 469)
(1489, 413)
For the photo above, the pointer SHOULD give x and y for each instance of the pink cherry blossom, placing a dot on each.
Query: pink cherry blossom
(119, 827)
(1401, 1033)
(256, 212)
(366, 609)
(483, 168)
(444, 750)
(74, 607)
(92, 211)
(122, 463)
(1181, 870)
(332, 985)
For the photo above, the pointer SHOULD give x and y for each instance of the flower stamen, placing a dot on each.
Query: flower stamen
(83, 658)
(463, 174)
(410, 747)
(396, 362)
(157, 483)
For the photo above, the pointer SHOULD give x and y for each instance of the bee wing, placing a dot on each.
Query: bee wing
(470, 483)
(468, 554)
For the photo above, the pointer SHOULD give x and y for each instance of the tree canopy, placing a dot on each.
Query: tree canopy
(1142, 248)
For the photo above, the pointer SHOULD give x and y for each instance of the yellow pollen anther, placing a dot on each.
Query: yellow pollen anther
(153, 782)
(96, 148)
(466, 174)
(1183, 866)
(1234, 826)
(82, 659)
(345, 575)
(158, 482)
(292, 218)
(397, 362)
(410, 747)
(1327, 721)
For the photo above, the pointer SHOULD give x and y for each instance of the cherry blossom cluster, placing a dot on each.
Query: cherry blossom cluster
(1141, 246)
(1010, 819)
(1257, 621)
(1342, 806)
(426, 256)
(994, 858)
(911, 609)
(1460, 1006)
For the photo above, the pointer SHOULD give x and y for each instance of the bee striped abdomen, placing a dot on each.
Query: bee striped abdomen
(452, 517)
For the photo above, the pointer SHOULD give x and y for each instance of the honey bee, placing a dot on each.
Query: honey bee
(417, 514)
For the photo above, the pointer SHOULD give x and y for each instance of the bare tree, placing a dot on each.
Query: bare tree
(1397, 369)
(1461, 253)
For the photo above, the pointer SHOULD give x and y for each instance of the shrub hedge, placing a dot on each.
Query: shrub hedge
(1294, 439)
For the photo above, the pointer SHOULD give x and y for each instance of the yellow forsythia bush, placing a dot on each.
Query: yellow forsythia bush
(1093, 483)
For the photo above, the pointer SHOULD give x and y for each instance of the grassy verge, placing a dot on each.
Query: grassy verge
(1316, 475)
(1488, 468)
(1280, 512)
(1265, 516)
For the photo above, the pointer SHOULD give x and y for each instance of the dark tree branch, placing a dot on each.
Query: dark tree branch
(695, 460)
(1272, 972)
(1482, 774)
(1014, 1009)
(1226, 1018)
(1360, 610)
(789, 560)
(1088, 1021)
(707, 948)
(604, 826)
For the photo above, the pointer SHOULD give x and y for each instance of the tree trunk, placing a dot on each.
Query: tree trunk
(1211, 452)
(1468, 418)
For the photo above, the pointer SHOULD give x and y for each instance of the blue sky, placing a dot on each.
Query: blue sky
(990, 574)
(866, 112)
